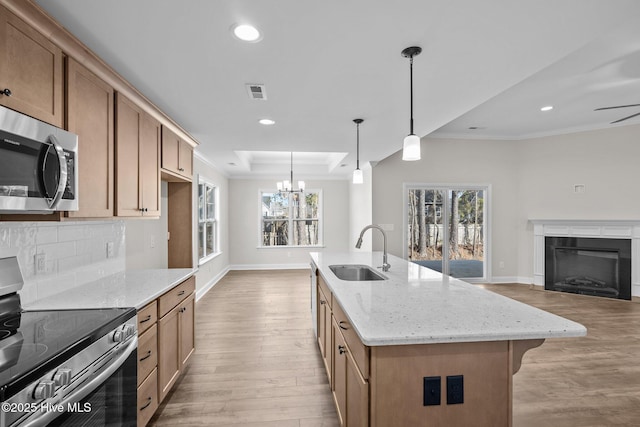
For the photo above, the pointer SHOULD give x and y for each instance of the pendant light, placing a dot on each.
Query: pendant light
(357, 174)
(286, 187)
(411, 145)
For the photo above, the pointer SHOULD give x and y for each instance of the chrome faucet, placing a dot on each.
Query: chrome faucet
(385, 264)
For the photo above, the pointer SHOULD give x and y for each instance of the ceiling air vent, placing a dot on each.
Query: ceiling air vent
(258, 92)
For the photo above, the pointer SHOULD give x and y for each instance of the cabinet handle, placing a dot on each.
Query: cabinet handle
(6, 92)
(181, 169)
(181, 293)
(146, 319)
(342, 349)
(147, 356)
(149, 400)
(322, 302)
(183, 309)
(340, 324)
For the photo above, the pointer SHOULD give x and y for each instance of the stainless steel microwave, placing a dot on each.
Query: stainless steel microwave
(38, 166)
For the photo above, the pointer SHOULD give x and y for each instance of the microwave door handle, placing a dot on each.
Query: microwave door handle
(62, 182)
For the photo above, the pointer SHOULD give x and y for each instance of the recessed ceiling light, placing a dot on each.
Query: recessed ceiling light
(267, 122)
(547, 108)
(246, 32)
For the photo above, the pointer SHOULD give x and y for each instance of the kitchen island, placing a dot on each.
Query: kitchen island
(419, 348)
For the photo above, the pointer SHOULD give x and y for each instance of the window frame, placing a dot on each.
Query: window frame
(213, 222)
(291, 220)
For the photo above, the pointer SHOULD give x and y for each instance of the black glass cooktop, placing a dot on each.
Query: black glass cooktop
(33, 342)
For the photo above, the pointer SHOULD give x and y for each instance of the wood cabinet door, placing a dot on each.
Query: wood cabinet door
(169, 363)
(31, 68)
(185, 157)
(187, 328)
(170, 150)
(357, 396)
(147, 399)
(90, 116)
(150, 165)
(340, 374)
(127, 157)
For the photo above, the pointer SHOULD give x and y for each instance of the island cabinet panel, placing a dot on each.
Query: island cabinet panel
(31, 68)
(358, 351)
(90, 112)
(339, 374)
(324, 329)
(396, 383)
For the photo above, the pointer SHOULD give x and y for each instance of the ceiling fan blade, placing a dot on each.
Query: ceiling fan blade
(617, 106)
(625, 118)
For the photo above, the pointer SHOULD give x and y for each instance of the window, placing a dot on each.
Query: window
(290, 219)
(207, 220)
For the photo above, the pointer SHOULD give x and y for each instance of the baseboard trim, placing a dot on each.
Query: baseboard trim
(512, 279)
(206, 288)
(269, 266)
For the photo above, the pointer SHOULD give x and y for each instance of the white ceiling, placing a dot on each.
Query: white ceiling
(490, 64)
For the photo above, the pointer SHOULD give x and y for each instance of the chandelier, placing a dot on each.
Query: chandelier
(286, 186)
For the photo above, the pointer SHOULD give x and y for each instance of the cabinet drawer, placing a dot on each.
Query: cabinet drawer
(325, 290)
(147, 398)
(147, 352)
(147, 317)
(176, 295)
(359, 351)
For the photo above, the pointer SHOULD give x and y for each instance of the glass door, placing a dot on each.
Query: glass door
(446, 229)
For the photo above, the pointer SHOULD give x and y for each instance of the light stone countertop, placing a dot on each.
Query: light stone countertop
(133, 288)
(417, 305)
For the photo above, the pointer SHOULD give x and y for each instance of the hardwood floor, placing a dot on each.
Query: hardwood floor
(257, 363)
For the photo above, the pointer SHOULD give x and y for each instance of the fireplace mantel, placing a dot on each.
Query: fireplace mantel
(614, 229)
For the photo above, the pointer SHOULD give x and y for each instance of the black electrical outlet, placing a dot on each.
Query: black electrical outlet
(432, 392)
(455, 389)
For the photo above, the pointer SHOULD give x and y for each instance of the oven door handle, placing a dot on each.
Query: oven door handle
(79, 394)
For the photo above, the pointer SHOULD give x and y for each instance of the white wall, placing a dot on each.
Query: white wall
(449, 161)
(530, 179)
(605, 161)
(361, 209)
(214, 269)
(244, 223)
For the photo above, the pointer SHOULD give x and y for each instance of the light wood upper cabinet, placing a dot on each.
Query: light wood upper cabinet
(31, 69)
(137, 161)
(90, 116)
(177, 156)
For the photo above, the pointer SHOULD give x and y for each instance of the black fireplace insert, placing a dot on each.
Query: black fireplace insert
(588, 266)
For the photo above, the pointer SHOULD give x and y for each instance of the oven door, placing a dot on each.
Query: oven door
(111, 401)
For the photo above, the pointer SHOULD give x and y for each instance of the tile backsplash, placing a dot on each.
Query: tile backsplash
(69, 254)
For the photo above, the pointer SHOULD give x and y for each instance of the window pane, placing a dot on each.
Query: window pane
(210, 238)
(305, 232)
(211, 205)
(275, 206)
(305, 205)
(201, 202)
(275, 233)
(201, 252)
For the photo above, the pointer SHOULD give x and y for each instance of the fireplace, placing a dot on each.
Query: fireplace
(588, 266)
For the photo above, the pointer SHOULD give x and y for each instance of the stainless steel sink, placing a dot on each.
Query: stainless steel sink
(356, 272)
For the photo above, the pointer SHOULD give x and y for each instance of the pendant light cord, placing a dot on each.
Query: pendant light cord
(411, 96)
(357, 145)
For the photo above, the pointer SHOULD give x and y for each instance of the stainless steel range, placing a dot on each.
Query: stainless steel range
(64, 367)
